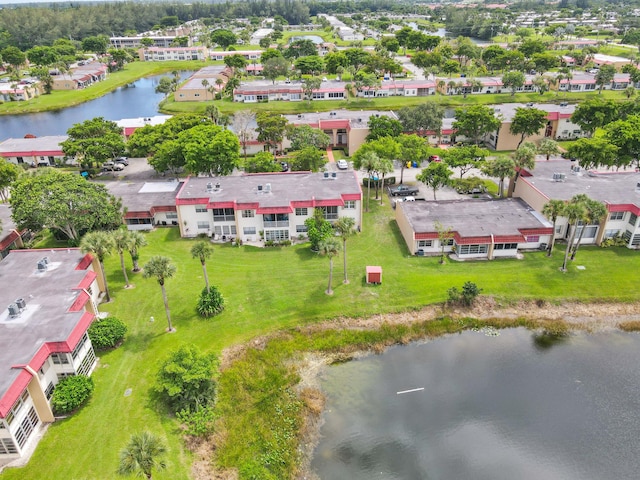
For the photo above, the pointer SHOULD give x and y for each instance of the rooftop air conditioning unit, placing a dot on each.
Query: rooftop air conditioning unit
(209, 187)
(21, 303)
(334, 174)
(564, 104)
(530, 104)
(14, 311)
(299, 116)
(267, 187)
(259, 188)
(332, 114)
(326, 174)
(42, 267)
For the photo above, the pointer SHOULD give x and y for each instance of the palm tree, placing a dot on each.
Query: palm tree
(121, 243)
(552, 210)
(99, 244)
(548, 147)
(136, 241)
(202, 251)
(523, 157)
(205, 84)
(368, 162)
(345, 228)
(161, 268)
(142, 455)
(595, 212)
(213, 113)
(329, 248)
(384, 166)
(574, 211)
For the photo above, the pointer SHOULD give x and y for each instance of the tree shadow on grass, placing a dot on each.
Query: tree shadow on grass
(139, 342)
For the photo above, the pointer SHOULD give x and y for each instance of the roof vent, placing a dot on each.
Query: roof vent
(496, 109)
(359, 120)
(259, 188)
(209, 187)
(299, 116)
(14, 311)
(332, 114)
(21, 303)
(216, 187)
(530, 104)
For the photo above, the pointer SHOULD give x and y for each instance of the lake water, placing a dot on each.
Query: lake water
(492, 408)
(136, 100)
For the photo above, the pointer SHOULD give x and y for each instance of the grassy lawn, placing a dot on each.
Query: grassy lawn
(66, 98)
(386, 103)
(267, 290)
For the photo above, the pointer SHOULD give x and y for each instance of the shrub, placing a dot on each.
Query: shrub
(71, 393)
(210, 303)
(465, 297)
(198, 422)
(185, 379)
(107, 333)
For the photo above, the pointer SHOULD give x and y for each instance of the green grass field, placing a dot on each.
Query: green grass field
(271, 289)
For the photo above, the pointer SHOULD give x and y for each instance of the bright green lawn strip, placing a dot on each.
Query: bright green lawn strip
(66, 98)
(270, 289)
(386, 103)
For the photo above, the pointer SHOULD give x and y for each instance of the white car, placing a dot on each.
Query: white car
(342, 164)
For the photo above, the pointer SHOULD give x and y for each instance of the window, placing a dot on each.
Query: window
(636, 240)
(616, 216)
(49, 390)
(558, 229)
(448, 242)
(611, 233)
(64, 375)
(20, 159)
(276, 235)
(330, 213)
(201, 209)
(471, 249)
(336, 94)
(79, 346)
(7, 446)
(172, 216)
(632, 219)
(60, 358)
(249, 230)
(425, 243)
(228, 229)
(301, 212)
(87, 362)
(248, 213)
(275, 220)
(26, 427)
(533, 238)
(349, 204)
(223, 215)
(301, 228)
(203, 225)
(505, 246)
(11, 415)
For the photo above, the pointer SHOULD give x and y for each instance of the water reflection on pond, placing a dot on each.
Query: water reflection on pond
(516, 406)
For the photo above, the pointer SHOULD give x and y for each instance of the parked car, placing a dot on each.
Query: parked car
(342, 164)
(434, 158)
(284, 166)
(113, 166)
(123, 160)
(403, 190)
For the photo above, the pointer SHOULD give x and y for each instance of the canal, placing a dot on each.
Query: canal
(138, 99)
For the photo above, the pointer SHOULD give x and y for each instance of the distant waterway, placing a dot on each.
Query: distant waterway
(477, 407)
(137, 99)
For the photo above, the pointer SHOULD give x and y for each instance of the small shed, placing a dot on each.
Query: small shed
(374, 274)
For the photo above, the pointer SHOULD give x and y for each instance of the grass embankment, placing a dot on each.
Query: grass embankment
(268, 290)
(67, 98)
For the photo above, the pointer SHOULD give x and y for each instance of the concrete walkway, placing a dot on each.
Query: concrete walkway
(330, 155)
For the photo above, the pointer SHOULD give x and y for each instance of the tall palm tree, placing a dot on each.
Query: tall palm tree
(329, 248)
(552, 210)
(345, 228)
(384, 166)
(202, 251)
(595, 212)
(574, 211)
(99, 244)
(369, 163)
(523, 157)
(137, 240)
(121, 243)
(142, 455)
(161, 268)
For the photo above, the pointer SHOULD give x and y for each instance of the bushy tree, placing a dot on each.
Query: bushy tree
(107, 332)
(261, 162)
(318, 228)
(302, 136)
(224, 38)
(186, 378)
(71, 393)
(94, 141)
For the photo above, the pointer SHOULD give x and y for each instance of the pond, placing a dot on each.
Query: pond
(138, 99)
(486, 407)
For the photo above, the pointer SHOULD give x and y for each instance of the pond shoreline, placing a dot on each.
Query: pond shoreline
(561, 317)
